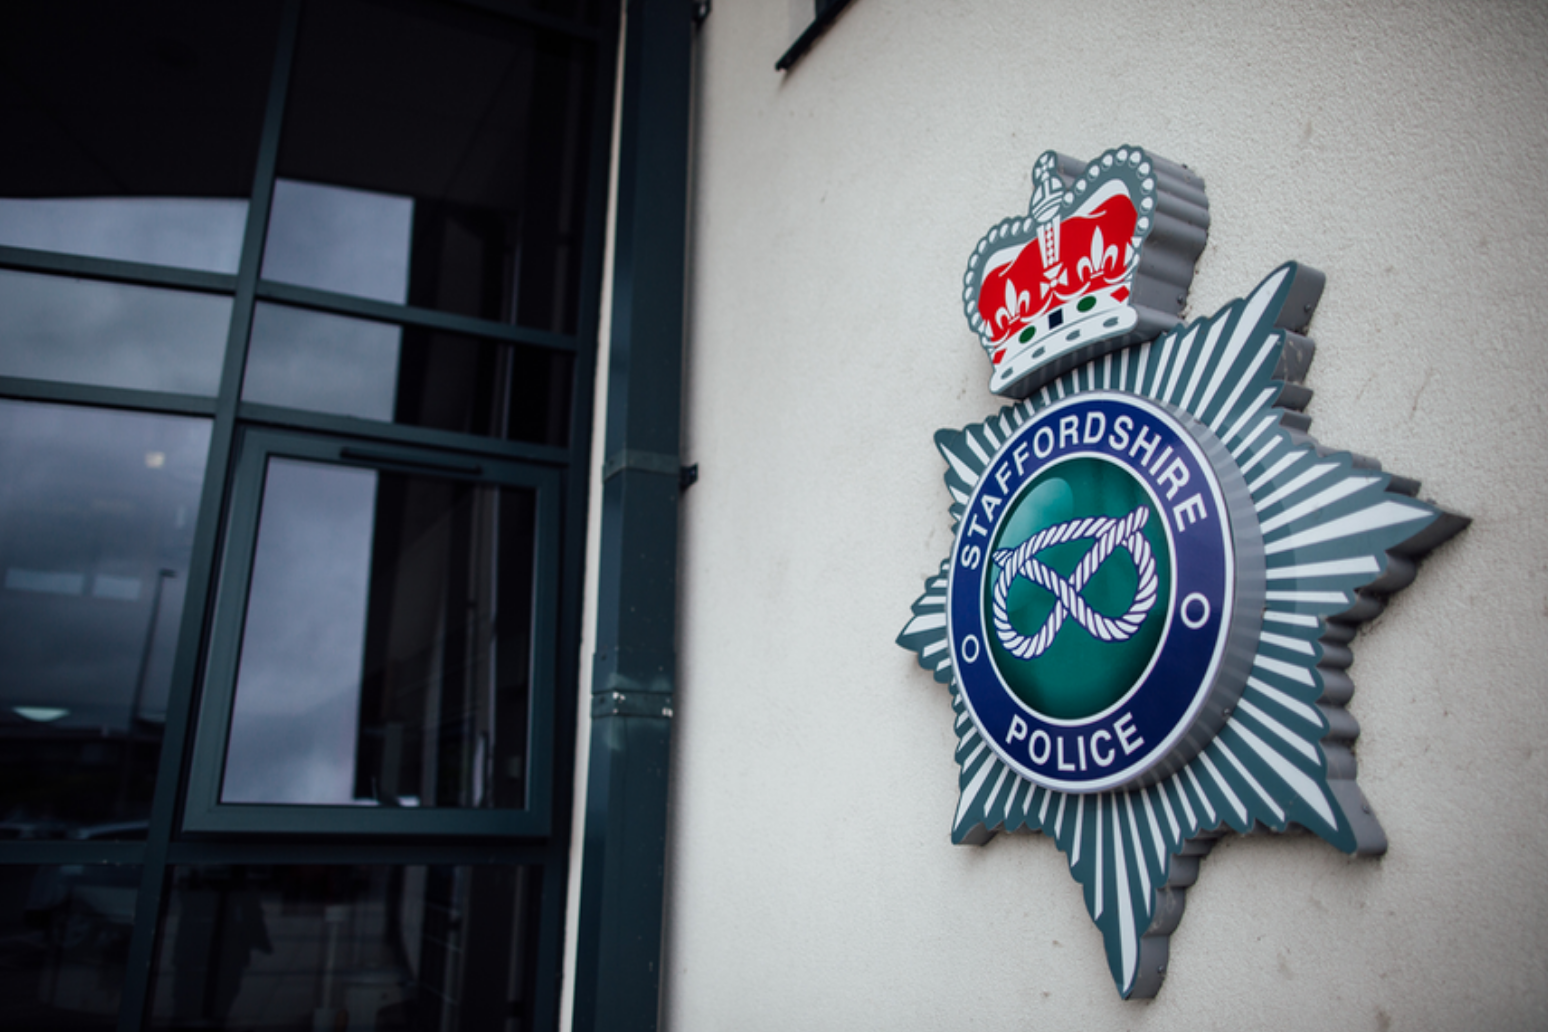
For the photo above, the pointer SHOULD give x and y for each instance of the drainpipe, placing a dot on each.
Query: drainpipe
(618, 949)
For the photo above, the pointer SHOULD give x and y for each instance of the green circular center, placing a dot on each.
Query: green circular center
(1079, 675)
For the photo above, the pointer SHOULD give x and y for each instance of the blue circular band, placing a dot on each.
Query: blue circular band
(1154, 714)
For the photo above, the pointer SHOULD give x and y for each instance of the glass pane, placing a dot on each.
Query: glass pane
(139, 124)
(193, 232)
(97, 512)
(333, 947)
(111, 334)
(348, 241)
(418, 377)
(322, 362)
(386, 647)
(472, 131)
(64, 944)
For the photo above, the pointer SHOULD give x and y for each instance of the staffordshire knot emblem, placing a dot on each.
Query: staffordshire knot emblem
(1107, 536)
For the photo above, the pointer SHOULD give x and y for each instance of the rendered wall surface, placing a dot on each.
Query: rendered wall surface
(1401, 149)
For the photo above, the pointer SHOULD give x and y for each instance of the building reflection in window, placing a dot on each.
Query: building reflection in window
(64, 943)
(386, 649)
(337, 947)
(97, 512)
(410, 375)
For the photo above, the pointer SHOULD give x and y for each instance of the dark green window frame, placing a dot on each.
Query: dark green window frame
(184, 827)
(203, 810)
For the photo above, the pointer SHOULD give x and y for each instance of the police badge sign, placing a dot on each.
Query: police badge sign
(1146, 615)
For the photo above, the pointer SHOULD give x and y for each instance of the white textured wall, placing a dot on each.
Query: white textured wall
(1398, 147)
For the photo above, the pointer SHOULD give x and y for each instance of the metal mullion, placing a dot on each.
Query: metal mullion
(399, 433)
(143, 274)
(360, 821)
(356, 852)
(543, 773)
(65, 851)
(105, 397)
(495, 471)
(202, 565)
(408, 315)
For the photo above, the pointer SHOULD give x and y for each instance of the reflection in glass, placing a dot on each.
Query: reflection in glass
(322, 362)
(483, 122)
(97, 512)
(298, 688)
(332, 947)
(348, 241)
(64, 944)
(190, 232)
(386, 648)
(408, 374)
(111, 334)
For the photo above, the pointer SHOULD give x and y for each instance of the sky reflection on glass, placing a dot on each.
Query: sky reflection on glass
(111, 334)
(293, 726)
(333, 238)
(188, 232)
(385, 654)
(322, 362)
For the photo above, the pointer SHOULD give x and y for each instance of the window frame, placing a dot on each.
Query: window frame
(203, 809)
(549, 843)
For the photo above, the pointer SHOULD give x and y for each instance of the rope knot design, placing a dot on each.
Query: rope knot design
(1108, 534)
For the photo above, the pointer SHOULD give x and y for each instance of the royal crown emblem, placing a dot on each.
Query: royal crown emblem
(1103, 259)
(1147, 613)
